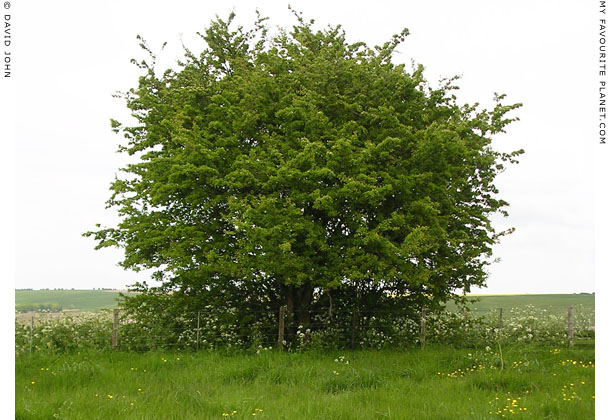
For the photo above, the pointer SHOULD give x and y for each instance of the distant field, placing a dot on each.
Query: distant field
(554, 304)
(95, 300)
(83, 300)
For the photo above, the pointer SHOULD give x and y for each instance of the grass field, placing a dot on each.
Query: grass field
(83, 300)
(436, 383)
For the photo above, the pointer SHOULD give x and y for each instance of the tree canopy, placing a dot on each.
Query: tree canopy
(283, 168)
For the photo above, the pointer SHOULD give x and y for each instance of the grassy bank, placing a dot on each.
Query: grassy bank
(536, 382)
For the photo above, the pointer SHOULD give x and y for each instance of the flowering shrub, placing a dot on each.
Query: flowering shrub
(230, 328)
(56, 335)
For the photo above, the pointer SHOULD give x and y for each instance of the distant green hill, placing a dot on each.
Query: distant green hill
(83, 300)
(94, 300)
(553, 303)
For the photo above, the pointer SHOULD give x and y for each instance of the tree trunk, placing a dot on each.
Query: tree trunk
(298, 307)
(303, 314)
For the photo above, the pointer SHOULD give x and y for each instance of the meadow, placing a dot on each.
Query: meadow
(530, 381)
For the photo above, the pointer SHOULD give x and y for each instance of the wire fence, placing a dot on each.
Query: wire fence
(260, 329)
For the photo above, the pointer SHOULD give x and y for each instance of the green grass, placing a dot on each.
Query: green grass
(83, 300)
(436, 383)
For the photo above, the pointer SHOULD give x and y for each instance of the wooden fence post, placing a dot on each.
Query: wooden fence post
(422, 330)
(31, 333)
(115, 329)
(571, 326)
(198, 317)
(280, 333)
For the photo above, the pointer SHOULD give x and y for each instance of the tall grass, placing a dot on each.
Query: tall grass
(538, 382)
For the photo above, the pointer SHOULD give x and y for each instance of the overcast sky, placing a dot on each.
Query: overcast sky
(70, 57)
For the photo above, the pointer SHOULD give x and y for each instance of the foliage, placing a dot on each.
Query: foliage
(150, 328)
(268, 170)
(64, 334)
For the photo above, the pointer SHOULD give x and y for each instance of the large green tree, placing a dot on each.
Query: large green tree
(279, 168)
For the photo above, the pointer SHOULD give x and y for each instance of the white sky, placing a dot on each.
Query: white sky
(71, 56)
